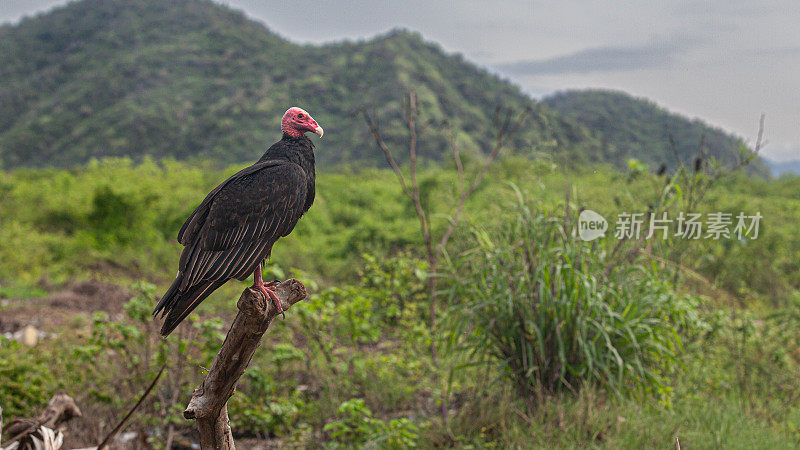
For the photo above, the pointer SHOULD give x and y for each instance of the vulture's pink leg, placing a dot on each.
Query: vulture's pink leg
(266, 289)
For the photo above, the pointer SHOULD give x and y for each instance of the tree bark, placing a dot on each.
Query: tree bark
(208, 405)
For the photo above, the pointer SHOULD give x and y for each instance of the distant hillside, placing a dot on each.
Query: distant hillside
(193, 79)
(637, 128)
(784, 167)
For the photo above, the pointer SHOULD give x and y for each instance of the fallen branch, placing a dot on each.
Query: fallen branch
(60, 409)
(208, 405)
(106, 442)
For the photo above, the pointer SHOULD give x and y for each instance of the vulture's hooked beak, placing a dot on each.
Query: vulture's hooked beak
(318, 131)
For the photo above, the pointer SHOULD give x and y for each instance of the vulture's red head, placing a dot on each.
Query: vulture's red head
(297, 121)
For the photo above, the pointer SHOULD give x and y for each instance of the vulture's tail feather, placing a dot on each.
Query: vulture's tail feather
(169, 297)
(176, 305)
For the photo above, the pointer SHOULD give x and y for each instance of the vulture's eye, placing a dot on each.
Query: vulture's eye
(300, 116)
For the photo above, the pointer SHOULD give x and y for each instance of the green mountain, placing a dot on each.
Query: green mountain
(633, 127)
(193, 79)
(784, 167)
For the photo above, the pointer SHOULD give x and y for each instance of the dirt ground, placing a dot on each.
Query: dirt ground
(77, 299)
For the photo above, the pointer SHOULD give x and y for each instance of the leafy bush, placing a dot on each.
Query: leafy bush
(753, 358)
(110, 368)
(537, 303)
(397, 284)
(252, 414)
(355, 427)
(114, 217)
(26, 383)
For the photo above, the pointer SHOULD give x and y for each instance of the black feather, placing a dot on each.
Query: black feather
(184, 303)
(234, 228)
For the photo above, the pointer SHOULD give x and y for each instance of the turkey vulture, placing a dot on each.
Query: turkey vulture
(232, 231)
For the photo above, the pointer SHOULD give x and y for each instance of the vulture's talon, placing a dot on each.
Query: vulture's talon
(271, 295)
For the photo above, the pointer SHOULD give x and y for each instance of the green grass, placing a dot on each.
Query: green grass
(362, 334)
(557, 313)
(51, 222)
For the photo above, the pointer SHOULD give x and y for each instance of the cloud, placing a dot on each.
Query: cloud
(604, 59)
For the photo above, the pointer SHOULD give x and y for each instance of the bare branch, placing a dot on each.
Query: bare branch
(104, 444)
(457, 157)
(209, 402)
(412, 143)
(507, 129)
(410, 116)
(742, 162)
(424, 220)
(680, 166)
(61, 408)
(505, 124)
(373, 129)
(759, 141)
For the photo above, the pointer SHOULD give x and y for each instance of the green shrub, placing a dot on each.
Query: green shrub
(538, 304)
(355, 427)
(397, 286)
(26, 381)
(122, 356)
(252, 413)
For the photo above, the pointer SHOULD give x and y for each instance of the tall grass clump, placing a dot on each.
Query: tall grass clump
(553, 313)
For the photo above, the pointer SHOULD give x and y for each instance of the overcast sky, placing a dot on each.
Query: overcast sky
(725, 61)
